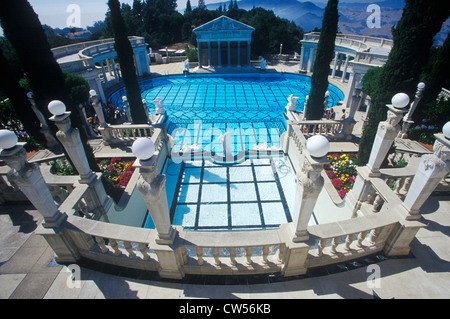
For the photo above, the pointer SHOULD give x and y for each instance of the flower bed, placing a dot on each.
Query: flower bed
(116, 175)
(342, 171)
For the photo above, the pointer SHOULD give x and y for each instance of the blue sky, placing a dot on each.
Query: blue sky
(54, 13)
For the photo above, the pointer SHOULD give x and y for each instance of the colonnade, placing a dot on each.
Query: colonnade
(224, 53)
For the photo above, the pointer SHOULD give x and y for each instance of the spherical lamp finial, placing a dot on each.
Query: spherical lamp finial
(143, 148)
(318, 146)
(446, 130)
(92, 93)
(56, 107)
(7, 139)
(421, 85)
(400, 100)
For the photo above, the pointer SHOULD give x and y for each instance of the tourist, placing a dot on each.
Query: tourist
(332, 114)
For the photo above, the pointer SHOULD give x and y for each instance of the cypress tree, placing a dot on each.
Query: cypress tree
(9, 83)
(413, 37)
(23, 29)
(125, 55)
(324, 55)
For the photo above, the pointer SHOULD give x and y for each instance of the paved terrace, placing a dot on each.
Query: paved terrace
(27, 268)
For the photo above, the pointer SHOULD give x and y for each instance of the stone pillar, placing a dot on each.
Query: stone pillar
(103, 128)
(126, 108)
(96, 196)
(309, 185)
(116, 75)
(386, 133)
(153, 190)
(432, 169)
(336, 56)
(229, 52)
(344, 74)
(29, 179)
(98, 83)
(350, 91)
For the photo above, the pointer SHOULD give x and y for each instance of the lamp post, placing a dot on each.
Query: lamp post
(386, 133)
(50, 139)
(432, 169)
(309, 184)
(153, 189)
(126, 107)
(407, 120)
(106, 134)
(29, 179)
(70, 139)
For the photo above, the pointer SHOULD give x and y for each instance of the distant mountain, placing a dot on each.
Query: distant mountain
(352, 15)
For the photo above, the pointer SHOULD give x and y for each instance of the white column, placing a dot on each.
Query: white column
(199, 44)
(238, 53)
(310, 60)
(209, 53)
(104, 74)
(302, 58)
(349, 90)
(99, 89)
(344, 74)
(229, 52)
(248, 51)
(336, 55)
(115, 70)
(219, 54)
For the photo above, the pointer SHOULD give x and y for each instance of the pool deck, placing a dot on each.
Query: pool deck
(27, 269)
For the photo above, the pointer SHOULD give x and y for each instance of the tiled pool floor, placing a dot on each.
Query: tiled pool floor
(258, 193)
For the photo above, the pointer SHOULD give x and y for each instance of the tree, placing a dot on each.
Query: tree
(201, 4)
(125, 56)
(24, 30)
(9, 84)
(324, 55)
(188, 8)
(413, 38)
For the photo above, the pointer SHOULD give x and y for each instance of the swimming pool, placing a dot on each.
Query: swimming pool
(257, 193)
(251, 107)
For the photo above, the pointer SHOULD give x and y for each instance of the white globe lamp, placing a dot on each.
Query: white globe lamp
(446, 130)
(56, 107)
(7, 139)
(421, 85)
(143, 148)
(400, 100)
(318, 146)
(92, 93)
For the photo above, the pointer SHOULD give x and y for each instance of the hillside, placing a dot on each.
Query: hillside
(352, 20)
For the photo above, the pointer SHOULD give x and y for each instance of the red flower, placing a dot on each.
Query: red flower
(337, 183)
(115, 159)
(331, 175)
(342, 193)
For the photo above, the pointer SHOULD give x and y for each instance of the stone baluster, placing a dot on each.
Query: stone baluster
(113, 243)
(265, 254)
(143, 250)
(216, 255)
(377, 203)
(101, 244)
(321, 246)
(199, 251)
(361, 236)
(129, 249)
(348, 241)
(233, 256)
(103, 126)
(334, 244)
(248, 255)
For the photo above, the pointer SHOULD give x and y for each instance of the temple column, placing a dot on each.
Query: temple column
(344, 74)
(209, 53)
(115, 70)
(199, 44)
(219, 54)
(248, 51)
(302, 59)
(336, 56)
(310, 60)
(104, 74)
(229, 52)
(238, 53)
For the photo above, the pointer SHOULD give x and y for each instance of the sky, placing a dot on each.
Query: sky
(55, 13)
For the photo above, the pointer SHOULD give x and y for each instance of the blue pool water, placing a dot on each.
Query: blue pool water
(202, 107)
(254, 194)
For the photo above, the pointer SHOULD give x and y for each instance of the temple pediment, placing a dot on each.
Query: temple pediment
(224, 23)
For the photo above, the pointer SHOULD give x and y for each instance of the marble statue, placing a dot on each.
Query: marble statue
(291, 102)
(158, 102)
